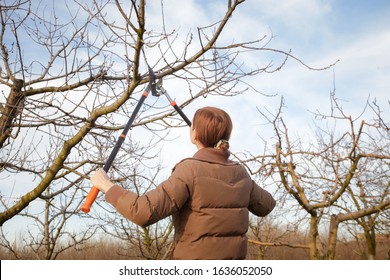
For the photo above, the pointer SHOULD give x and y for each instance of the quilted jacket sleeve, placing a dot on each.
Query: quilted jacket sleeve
(156, 204)
(261, 202)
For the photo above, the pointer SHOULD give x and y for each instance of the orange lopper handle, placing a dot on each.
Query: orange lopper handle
(91, 197)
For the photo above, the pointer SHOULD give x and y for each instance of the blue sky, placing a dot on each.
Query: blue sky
(319, 32)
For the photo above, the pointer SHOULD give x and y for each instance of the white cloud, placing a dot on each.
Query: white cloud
(310, 29)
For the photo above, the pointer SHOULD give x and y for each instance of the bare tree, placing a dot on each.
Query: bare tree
(152, 242)
(337, 177)
(70, 74)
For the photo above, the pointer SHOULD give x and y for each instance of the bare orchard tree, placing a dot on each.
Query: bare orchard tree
(152, 242)
(337, 176)
(367, 196)
(70, 74)
(48, 235)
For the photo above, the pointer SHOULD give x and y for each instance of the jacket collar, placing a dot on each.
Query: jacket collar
(213, 155)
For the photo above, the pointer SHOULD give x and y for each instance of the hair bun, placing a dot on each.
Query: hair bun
(222, 144)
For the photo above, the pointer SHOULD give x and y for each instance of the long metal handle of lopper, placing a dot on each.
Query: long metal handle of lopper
(93, 193)
(91, 197)
(177, 108)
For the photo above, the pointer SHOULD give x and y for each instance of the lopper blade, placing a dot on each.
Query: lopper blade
(152, 82)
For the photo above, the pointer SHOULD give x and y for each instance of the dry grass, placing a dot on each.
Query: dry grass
(113, 250)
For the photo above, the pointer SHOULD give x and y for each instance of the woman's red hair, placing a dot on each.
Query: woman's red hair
(212, 125)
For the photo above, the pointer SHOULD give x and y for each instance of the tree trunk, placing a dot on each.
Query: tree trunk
(332, 241)
(369, 236)
(12, 109)
(46, 228)
(313, 237)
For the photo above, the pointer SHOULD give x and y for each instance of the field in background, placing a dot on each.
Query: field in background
(112, 250)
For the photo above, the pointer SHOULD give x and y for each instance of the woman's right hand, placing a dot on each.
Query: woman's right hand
(101, 180)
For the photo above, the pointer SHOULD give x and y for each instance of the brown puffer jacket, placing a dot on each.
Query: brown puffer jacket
(209, 197)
